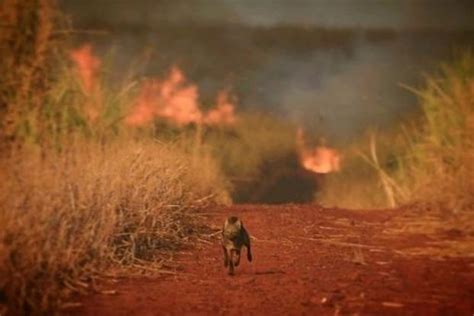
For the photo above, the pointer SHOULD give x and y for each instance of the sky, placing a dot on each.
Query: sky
(395, 14)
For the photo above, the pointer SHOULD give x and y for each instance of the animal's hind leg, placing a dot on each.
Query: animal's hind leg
(226, 257)
(249, 252)
(247, 244)
(231, 263)
(237, 261)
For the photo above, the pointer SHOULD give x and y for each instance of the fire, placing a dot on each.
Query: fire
(87, 67)
(173, 99)
(224, 111)
(144, 106)
(321, 159)
(177, 101)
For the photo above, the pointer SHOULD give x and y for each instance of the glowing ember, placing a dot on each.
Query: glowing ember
(321, 159)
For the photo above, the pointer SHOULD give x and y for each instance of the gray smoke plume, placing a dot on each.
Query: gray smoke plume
(335, 81)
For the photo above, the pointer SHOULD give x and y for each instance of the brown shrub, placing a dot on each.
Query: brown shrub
(67, 215)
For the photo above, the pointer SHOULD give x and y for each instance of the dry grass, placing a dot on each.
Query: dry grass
(427, 162)
(79, 195)
(66, 216)
(352, 188)
(27, 44)
(437, 167)
(360, 185)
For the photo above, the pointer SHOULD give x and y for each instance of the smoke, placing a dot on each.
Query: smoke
(333, 82)
(147, 14)
(395, 14)
(339, 96)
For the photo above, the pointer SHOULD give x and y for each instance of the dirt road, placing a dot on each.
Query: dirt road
(313, 261)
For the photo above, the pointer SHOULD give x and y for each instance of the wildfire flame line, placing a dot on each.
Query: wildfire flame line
(173, 98)
(177, 101)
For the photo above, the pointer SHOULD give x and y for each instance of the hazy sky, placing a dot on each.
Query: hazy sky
(364, 13)
(397, 14)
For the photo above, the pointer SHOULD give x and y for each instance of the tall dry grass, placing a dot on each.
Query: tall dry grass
(81, 194)
(427, 161)
(360, 183)
(28, 43)
(437, 167)
(65, 216)
(82, 200)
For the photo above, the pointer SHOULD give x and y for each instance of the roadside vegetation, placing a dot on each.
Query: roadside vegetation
(82, 194)
(426, 161)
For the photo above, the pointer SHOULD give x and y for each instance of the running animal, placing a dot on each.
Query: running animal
(234, 236)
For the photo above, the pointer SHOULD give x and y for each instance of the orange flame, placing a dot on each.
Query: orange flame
(144, 106)
(176, 100)
(87, 66)
(224, 111)
(321, 159)
(179, 102)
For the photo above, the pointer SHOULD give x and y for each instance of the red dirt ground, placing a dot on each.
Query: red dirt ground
(311, 261)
